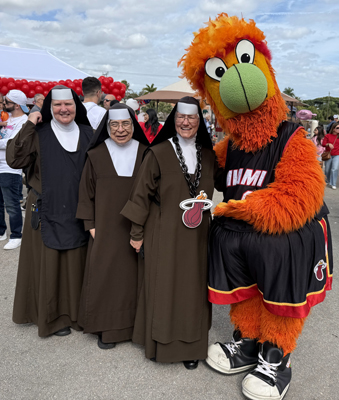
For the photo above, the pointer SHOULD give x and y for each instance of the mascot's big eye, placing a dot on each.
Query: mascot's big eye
(215, 68)
(245, 51)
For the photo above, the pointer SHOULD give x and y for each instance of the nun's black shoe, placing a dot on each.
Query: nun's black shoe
(104, 346)
(191, 364)
(63, 332)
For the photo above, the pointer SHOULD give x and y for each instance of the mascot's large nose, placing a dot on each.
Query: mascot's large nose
(243, 88)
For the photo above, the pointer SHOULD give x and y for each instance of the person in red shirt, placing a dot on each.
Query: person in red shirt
(331, 143)
(151, 126)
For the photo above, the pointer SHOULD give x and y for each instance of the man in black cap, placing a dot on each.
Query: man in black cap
(169, 209)
(109, 295)
(52, 147)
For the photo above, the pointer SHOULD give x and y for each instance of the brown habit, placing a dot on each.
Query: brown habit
(108, 299)
(173, 314)
(49, 281)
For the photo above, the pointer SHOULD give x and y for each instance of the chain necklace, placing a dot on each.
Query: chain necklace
(192, 186)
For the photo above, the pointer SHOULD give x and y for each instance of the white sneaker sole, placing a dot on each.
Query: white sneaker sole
(224, 371)
(252, 396)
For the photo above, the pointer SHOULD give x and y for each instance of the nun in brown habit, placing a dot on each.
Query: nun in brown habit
(52, 146)
(169, 210)
(108, 300)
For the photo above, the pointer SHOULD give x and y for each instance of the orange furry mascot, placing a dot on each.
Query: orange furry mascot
(270, 246)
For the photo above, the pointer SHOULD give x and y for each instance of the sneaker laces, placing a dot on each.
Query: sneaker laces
(266, 368)
(233, 346)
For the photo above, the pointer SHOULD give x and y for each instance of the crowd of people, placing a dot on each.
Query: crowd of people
(117, 219)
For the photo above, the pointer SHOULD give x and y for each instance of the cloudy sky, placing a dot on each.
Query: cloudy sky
(141, 41)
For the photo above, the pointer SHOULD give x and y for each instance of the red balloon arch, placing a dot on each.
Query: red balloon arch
(31, 88)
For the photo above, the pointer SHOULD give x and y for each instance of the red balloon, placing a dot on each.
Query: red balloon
(101, 78)
(111, 80)
(45, 93)
(18, 83)
(116, 92)
(104, 89)
(71, 85)
(106, 82)
(44, 85)
(4, 81)
(78, 90)
(25, 88)
(31, 93)
(11, 85)
(39, 89)
(122, 92)
(123, 85)
(31, 84)
(111, 86)
(62, 83)
(118, 98)
(24, 81)
(4, 90)
(37, 83)
(118, 85)
(10, 79)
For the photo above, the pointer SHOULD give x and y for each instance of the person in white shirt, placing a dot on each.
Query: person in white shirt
(10, 179)
(91, 88)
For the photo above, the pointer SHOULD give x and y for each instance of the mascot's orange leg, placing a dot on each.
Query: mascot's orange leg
(255, 322)
(246, 317)
(281, 331)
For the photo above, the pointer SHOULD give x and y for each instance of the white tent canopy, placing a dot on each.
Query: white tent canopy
(171, 93)
(181, 86)
(34, 65)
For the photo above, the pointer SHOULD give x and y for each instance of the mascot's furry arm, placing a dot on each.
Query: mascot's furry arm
(291, 200)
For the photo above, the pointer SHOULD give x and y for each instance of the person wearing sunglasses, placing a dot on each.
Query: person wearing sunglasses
(107, 101)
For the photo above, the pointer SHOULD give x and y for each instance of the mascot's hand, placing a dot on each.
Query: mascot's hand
(233, 208)
(248, 211)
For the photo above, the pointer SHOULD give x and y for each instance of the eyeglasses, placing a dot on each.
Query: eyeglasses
(8, 102)
(106, 100)
(124, 125)
(190, 118)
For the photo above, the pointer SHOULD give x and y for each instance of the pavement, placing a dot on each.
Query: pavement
(73, 367)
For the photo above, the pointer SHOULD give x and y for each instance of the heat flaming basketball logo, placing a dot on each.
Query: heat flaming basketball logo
(194, 208)
(319, 270)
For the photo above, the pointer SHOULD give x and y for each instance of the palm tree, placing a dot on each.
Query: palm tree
(149, 89)
(289, 91)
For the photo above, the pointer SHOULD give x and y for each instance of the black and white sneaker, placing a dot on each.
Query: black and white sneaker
(271, 378)
(241, 354)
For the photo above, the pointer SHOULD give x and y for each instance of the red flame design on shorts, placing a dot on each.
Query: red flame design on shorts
(193, 217)
(318, 270)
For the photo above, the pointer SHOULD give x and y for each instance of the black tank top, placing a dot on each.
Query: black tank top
(247, 172)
